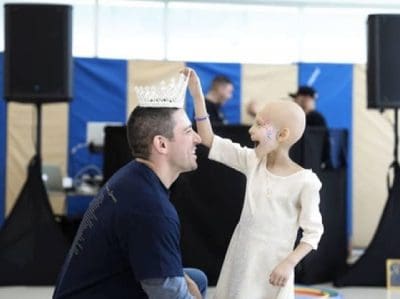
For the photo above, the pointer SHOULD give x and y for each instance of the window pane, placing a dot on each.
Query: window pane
(131, 29)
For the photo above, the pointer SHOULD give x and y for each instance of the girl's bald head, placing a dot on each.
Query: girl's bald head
(287, 117)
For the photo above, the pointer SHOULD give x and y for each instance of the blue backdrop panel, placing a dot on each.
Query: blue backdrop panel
(334, 84)
(78, 204)
(100, 94)
(3, 138)
(206, 72)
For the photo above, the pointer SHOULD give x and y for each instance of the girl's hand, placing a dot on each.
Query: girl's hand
(281, 274)
(194, 82)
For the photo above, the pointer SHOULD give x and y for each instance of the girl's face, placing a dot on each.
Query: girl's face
(264, 135)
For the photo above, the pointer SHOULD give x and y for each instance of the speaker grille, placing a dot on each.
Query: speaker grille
(38, 53)
(383, 67)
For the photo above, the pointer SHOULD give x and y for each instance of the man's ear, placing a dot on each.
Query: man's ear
(160, 144)
(283, 135)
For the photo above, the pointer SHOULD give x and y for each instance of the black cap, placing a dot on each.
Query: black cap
(304, 91)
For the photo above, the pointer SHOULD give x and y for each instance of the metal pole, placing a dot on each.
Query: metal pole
(39, 130)
(396, 136)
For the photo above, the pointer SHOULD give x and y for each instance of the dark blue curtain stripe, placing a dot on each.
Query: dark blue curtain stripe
(100, 89)
(334, 84)
(206, 72)
(3, 138)
(100, 94)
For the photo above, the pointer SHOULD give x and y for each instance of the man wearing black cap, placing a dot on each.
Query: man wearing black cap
(305, 97)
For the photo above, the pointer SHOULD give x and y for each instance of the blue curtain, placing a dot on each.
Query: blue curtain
(100, 94)
(206, 72)
(334, 84)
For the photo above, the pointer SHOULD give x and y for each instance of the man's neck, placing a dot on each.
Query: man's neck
(166, 175)
(212, 97)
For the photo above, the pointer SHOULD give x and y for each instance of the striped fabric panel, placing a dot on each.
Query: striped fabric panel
(262, 83)
(334, 85)
(100, 93)
(148, 73)
(3, 132)
(206, 72)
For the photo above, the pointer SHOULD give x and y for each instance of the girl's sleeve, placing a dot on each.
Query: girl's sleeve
(310, 219)
(231, 154)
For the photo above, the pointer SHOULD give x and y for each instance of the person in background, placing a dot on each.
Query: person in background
(220, 92)
(306, 97)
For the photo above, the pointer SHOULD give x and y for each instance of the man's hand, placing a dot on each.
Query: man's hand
(192, 286)
(281, 274)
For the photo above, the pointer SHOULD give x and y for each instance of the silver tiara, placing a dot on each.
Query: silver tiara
(169, 94)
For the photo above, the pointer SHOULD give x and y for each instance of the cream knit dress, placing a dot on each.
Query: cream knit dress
(274, 208)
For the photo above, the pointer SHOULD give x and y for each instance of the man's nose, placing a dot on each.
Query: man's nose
(197, 138)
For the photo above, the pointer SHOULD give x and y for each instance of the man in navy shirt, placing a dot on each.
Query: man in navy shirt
(127, 245)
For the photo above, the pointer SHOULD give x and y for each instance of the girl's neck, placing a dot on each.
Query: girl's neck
(279, 162)
(278, 158)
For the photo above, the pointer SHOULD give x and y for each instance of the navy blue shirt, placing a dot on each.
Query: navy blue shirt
(215, 114)
(129, 233)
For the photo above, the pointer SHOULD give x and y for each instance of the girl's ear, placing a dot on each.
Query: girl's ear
(283, 135)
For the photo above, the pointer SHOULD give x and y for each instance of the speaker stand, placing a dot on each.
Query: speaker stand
(395, 164)
(32, 244)
(39, 131)
(370, 269)
(396, 137)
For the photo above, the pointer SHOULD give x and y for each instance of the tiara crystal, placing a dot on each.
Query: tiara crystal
(169, 94)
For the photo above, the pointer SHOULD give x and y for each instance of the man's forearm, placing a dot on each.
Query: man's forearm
(167, 288)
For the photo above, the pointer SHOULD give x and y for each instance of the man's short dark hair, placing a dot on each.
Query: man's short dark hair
(220, 80)
(146, 123)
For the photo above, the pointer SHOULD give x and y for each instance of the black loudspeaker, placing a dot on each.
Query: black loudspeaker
(38, 53)
(383, 67)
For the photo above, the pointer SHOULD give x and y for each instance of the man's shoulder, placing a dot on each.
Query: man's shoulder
(210, 105)
(315, 118)
(138, 190)
(133, 176)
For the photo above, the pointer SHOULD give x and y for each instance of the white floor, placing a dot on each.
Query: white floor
(347, 293)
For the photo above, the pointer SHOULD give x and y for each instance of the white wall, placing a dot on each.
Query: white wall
(306, 31)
